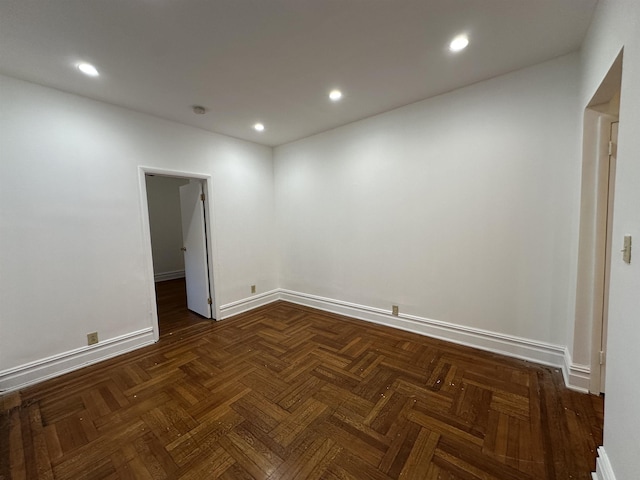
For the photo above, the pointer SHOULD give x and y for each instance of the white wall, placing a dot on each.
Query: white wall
(616, 25)
(462, 208)
(72, 252)
(163, 196)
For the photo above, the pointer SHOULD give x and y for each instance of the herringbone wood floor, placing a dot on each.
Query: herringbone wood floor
(289, 392)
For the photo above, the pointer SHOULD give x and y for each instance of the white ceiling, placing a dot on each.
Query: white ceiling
(274, 61)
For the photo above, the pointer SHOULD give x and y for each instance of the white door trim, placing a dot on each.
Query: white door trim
(605, 183)
(146, 237)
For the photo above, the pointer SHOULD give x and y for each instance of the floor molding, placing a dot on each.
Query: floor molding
(46, 368)
(576, 376)
(518, 347)
(163, 277)
(249, 303)
(604, 471)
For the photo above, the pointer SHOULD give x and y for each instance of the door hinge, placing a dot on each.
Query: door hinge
(209, 301)
(202, 194)
(602, 357)
(610, 147)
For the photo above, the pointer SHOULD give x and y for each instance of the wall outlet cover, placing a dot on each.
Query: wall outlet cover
(92, 338)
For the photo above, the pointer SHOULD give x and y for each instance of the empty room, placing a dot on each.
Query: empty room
(296, 239)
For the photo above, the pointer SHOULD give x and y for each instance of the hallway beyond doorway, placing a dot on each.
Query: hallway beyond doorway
(173, 314)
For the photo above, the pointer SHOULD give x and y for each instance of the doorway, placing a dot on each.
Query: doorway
(596, 221)
(179, 241)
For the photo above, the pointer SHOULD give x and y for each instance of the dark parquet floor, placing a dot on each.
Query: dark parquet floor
(288, 392)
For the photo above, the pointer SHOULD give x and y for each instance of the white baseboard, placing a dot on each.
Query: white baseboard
(249, 303)
(44, 369)
(164, 276)
(509, 345)
(604, 471)
(576, 376)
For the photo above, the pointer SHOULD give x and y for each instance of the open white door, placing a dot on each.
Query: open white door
(194, 241)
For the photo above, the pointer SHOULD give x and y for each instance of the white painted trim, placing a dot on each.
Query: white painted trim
(518, 347)
(249, 303)
(576, 376)
(599, 287)
(604, 471)
(147, 252)
(46, 368)
(163, 277)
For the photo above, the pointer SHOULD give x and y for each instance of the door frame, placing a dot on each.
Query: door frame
(146, 237)
(604, 249)
(602, 110)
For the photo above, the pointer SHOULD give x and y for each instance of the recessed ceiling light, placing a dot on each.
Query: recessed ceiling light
(459, 43)
(259, 127)
(335, 95)
(88, 69)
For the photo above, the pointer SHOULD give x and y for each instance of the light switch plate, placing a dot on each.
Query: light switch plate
(626, 250)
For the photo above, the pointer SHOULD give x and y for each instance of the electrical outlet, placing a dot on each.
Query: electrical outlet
(253, 289)
(92, 338)
(394, 310)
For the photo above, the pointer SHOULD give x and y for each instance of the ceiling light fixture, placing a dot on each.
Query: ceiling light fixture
(258, 127)
(88, 69)
(335, 95)
(459, 43)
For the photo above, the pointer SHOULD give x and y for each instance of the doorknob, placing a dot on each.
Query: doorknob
(184, 249)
